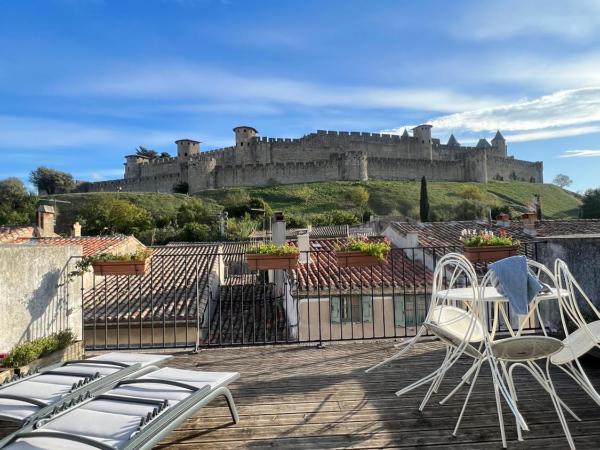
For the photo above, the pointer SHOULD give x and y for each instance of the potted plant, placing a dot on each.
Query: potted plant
(108, 264)
(360, 252)
(272, 256)
(485, 246)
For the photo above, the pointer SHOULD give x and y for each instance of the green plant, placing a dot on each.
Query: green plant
(378, 249)
(83, 265)
(26, 352)
(424, 202)
(485, 238)
(269, 248)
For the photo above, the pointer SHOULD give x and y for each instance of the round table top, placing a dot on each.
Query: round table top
(491, 294)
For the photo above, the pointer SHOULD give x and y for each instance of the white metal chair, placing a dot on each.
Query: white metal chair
(586, 334)
(438, 278)
(525, 352)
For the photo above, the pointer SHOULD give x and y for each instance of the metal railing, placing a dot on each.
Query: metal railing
(205, 296)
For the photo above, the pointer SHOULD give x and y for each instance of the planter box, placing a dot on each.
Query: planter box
(489, 254)
(356, 259)
(74, 351)
(266, 262)
(120, 267)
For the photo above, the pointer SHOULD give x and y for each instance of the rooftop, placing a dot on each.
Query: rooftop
(91, 244)
(306, 397)
(10, 234)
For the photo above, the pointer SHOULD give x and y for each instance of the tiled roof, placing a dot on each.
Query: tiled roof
(177, 276)
(324, 275)
(91, 244)
(247, 314)
(10, 234)
(443, 234)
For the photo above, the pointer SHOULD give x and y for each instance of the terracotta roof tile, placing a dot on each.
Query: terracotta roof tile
(10, 234)
(91, 244)
(178, 275)
(323, 273)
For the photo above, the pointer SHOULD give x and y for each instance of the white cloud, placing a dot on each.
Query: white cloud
(573, 20)
(192, 82)
(564, 113)
(581, 154)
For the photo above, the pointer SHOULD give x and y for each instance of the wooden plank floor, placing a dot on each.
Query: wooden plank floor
(298, 397)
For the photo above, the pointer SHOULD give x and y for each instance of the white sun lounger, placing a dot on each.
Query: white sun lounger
(33, 396)
(135, 413)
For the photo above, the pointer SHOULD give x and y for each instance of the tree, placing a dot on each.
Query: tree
(51, 181)
(110, 215)
(164, 155)
(17, 205)
(143, 151)
(195, 232)
(192, 212)
(562, 180)
(358, 196)
(590, 205)
(424, 201)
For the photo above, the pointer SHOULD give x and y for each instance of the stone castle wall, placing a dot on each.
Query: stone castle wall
(325, 156)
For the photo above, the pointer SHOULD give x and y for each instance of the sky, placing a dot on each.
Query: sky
(85, 82)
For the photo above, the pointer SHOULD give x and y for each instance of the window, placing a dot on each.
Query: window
(351, 308)
(409, 310)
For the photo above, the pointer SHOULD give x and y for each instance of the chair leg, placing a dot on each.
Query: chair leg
(513, 392)
(436, 382)
(231, 404)
(407, 346)
(464, 381)
(467, 399)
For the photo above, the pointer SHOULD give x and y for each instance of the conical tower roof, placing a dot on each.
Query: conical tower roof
(483, 143)
(452, 142)
(498, 136)
(405, 134)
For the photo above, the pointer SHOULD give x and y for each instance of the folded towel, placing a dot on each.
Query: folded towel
(514, 281)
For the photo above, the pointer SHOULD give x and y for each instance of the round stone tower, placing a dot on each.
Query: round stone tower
(244, 135)
(423, 134)
(187, 148)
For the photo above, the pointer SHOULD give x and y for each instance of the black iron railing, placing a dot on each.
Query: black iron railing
(205, 296)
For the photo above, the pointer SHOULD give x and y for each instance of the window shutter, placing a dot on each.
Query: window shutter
(335, 309)
(399, 315)
(367, 309)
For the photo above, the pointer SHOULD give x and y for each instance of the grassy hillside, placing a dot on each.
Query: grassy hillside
(389, 197)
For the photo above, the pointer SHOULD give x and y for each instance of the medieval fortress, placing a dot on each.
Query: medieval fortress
(322, 156)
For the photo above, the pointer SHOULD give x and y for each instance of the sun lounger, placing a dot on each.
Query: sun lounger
(135, 413)
(32, 396)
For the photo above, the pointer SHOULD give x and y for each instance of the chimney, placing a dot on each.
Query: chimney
(279, 228)
(412, 239)
(44, 221)
(304, 247)
(529, 219)
(503, 220)
(76, 232)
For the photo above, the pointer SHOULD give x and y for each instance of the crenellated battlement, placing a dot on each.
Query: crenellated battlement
(323, 155)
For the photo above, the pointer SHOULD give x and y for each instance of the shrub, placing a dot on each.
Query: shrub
(195, 232)
(590, 206)
(269, 248)
(469, 210)
(181, 188)
(371, 248)
(27, 352)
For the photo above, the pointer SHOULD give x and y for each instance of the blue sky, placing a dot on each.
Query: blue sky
(84, 82)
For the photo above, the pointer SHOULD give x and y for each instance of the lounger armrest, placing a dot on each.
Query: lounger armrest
(59, 435)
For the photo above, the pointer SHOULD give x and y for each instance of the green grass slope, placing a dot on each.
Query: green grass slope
(388, 197)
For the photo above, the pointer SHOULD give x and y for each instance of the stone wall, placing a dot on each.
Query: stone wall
(324, 156)
(582, 255)
(35, 299)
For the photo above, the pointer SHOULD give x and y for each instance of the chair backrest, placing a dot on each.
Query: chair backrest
(570, 304)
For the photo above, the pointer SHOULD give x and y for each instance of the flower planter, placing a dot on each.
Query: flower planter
(356, 259)
(490, 253)
(76, 350)
(265, 262)
(120, 267)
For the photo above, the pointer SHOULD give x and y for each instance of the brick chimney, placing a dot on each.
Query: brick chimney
(44, 221)
(76, 231)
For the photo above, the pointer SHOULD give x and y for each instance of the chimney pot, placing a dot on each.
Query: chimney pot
(76, 230)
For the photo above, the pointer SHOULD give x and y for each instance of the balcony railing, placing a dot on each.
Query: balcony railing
(205, 296)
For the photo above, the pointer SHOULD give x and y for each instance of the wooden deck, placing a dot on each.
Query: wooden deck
(298, 397)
